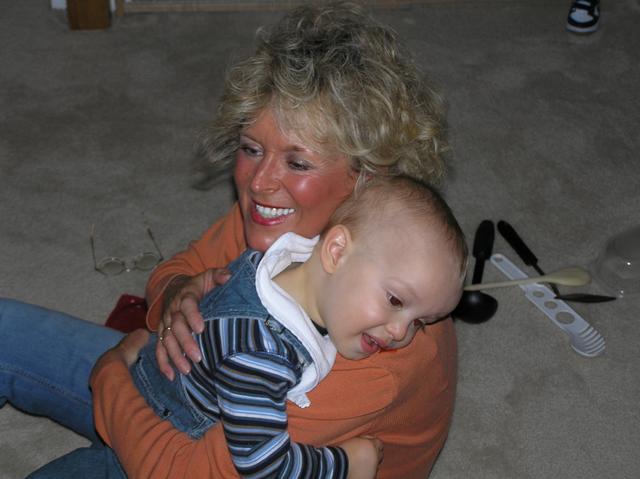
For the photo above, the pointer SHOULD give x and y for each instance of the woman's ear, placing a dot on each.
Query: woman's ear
(336, 243)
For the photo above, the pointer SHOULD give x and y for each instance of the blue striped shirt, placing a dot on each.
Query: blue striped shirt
(246, 371)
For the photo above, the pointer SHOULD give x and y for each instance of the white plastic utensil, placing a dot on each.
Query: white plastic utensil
(572, 276)
(584, 338)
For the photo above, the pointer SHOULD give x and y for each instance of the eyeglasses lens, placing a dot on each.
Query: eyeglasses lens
(111, 266)
(146, 261)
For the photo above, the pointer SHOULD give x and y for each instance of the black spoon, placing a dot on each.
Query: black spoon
(476, 306)
(527, 256)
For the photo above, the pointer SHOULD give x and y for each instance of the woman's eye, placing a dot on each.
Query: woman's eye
(394, 301)
(298, 165)
(250, 150)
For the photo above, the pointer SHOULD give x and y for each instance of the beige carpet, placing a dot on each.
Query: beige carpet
(99, 127)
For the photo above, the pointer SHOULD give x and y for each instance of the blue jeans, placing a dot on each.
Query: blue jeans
(46, 359)
(95, 462)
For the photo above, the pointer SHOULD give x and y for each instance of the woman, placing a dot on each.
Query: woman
(327, 100)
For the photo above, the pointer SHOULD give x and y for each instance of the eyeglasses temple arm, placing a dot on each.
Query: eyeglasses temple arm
(93, 248)
(153, 240)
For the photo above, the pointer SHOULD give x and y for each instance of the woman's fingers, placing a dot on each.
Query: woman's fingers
(182, 318)
(130, 346)
(190, 310)
(181, 333)
(126, 351)
(173, 350)
(219, 276)
(163, 361)
(174, 343)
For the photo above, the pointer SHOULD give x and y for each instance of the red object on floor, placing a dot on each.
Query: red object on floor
(129, 314)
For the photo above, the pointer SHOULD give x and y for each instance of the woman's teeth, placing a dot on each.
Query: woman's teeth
(271, 213)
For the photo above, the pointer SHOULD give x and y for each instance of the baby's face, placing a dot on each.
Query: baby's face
(390, 285)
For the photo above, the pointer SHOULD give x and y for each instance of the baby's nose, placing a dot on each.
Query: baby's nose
(398, 330)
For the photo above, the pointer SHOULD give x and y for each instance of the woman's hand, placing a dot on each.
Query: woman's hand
(126, 351)
(180, 317)
(365, 455)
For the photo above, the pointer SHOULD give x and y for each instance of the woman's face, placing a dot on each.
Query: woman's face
(283, 185)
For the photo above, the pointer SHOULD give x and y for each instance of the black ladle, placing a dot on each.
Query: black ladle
(476, 306)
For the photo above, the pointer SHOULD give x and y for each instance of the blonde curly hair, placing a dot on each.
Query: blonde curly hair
(341, 81)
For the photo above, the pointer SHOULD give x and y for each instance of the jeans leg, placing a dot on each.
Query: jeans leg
(95, 462)
(46, 358)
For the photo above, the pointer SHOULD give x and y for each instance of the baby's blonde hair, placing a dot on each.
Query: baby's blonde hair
(373, 205)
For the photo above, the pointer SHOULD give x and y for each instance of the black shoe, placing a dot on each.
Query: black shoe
(584, 16)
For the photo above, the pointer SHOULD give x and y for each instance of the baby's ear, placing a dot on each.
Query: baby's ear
(336, 243)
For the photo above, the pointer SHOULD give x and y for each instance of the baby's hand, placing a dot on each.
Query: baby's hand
(365, 454)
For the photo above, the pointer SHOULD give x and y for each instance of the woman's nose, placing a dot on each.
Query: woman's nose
(266, 175)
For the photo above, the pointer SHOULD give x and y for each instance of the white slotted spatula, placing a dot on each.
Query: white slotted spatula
(584, 338)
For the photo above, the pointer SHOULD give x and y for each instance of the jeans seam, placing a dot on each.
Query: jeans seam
(38, 379)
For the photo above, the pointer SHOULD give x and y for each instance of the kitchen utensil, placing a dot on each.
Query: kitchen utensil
(584, 338)
(572, 276)
(584, 298)
(618, 264)
(527, 256)
(475, 306)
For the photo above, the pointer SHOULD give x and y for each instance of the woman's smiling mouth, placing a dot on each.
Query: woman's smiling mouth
(261, 213)
(270, 213)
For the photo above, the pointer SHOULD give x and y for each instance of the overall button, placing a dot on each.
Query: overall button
(274, 326)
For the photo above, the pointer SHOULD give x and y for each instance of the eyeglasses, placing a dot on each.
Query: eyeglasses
(112, 265)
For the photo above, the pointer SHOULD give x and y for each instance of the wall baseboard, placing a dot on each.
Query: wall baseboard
(62, 5)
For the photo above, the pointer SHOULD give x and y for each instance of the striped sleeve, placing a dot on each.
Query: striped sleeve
(250, 371)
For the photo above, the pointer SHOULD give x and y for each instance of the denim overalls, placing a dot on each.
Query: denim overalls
(237, 298)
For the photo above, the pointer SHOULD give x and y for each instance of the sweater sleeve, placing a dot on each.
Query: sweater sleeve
(145, 445)
(217, 247)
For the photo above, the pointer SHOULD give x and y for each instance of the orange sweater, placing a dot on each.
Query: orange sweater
(403, 397)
